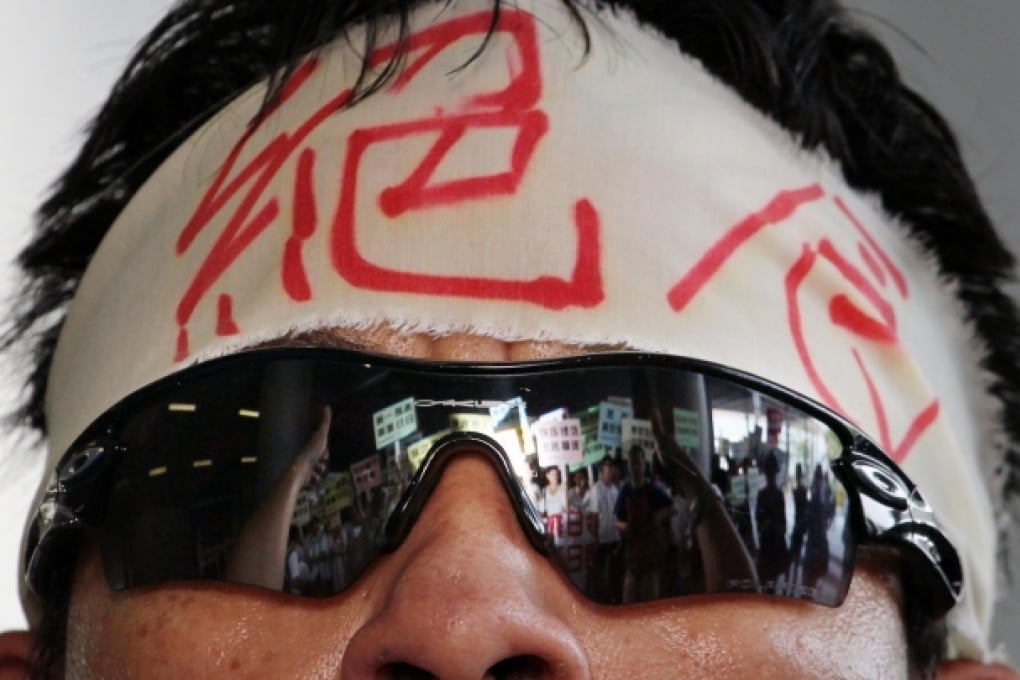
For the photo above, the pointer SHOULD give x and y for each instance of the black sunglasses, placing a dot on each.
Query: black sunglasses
(642, 477)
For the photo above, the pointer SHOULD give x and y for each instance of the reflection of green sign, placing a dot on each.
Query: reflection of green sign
(686, 426)
(594, 452)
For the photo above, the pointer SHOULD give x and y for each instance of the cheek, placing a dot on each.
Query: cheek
(199, 631)
(754, 638)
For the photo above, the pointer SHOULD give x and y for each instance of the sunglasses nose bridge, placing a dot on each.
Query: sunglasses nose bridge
(429, 474)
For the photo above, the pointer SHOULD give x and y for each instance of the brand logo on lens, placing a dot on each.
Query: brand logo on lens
(463, 403)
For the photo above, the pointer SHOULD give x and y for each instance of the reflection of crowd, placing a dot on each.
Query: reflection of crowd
(637, 536)
(644, 538)
(787, 553)
(327, 553)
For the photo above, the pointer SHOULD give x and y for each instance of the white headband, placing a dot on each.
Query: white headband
(624, 196)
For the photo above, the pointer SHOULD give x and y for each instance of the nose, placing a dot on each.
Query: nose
(466, 596)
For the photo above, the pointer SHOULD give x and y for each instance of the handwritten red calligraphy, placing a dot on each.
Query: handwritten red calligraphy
(513, 108)
(876, 324)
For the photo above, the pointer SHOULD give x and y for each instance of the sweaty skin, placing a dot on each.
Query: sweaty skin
(458, 603)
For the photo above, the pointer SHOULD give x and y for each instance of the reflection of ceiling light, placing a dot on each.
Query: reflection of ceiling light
(249, 459)
(207, 462)
(157, 471)
(186, 408)
(248, 413)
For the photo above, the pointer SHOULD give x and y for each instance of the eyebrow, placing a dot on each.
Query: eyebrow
(316, 337)
(337, 338)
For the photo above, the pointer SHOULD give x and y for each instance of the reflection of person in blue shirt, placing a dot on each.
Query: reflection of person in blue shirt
(642, 515)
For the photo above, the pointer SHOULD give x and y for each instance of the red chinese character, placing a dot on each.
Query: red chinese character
(874, 325)
(243, 190)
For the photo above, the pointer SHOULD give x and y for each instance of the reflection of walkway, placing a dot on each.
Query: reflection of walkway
(828, 585)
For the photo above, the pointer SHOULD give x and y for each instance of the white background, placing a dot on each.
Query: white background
(59, 57)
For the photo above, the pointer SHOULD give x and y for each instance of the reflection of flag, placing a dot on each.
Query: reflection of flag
(367, 473)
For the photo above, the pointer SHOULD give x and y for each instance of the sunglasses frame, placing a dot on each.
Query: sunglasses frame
(886, 508)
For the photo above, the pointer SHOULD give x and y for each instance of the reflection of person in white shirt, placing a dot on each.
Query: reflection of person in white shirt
(602, 500)
(604, 578)
(577, 494)
(554, 495)
(297, 566)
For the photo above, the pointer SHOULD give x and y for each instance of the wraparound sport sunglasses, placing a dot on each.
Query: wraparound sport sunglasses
(296, 469)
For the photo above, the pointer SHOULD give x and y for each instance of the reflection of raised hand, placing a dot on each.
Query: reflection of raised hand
(259, 555)
(309, 465)
(713, 528)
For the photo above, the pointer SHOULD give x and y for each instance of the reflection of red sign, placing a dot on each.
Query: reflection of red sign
(870, 282)
(513, 108)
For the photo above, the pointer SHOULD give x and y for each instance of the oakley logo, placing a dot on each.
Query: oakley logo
(461, 403)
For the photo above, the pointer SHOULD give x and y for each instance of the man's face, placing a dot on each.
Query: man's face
(466, 596)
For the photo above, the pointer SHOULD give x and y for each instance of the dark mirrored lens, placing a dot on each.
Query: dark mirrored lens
(651, 482)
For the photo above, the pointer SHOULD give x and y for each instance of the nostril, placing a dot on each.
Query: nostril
(524, 667)
(403, 671)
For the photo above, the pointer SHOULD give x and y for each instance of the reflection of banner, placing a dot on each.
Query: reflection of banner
(513, 414)
(637, 431)
(575, 534)
(416, 452)
(302, 509)
(367, 473)
(336, 493)
(558, 441)
(394, 422)
(686, 427)
(471, 422)
(610, 415)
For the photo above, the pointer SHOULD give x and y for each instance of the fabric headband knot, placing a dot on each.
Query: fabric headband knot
(528, 190)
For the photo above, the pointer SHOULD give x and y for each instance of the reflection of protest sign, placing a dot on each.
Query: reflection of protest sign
(336, 492)
(611, 413)
(637, 431)
(686, 428)
(558, 441)
(471, 422)
(367, 473)
(417, 451)
(394, 422)
(302, 509)
(513, 414)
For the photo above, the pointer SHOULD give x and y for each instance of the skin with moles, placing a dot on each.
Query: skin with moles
(466, 592)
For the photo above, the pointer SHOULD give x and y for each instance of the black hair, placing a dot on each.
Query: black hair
(801, 62)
